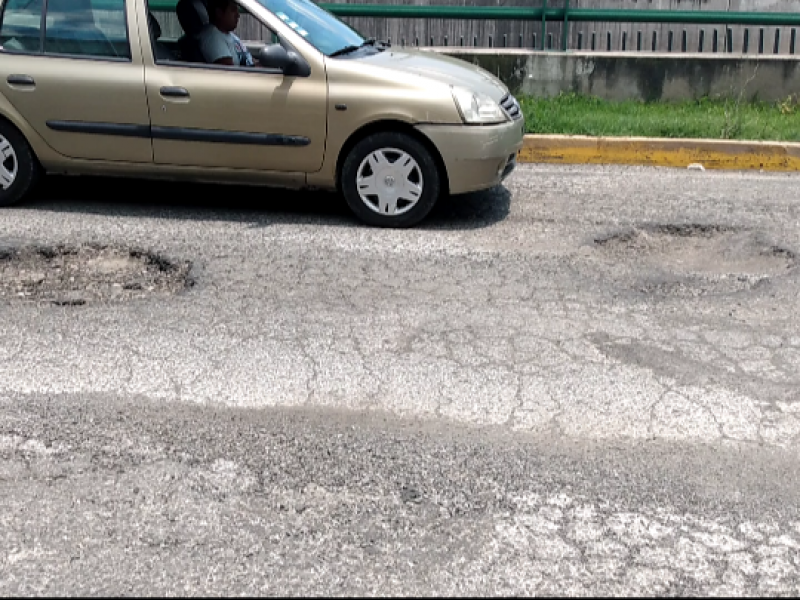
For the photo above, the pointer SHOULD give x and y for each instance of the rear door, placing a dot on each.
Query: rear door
(76, 76)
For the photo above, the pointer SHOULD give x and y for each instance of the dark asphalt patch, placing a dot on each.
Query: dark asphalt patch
(689, 260)
(77, 275)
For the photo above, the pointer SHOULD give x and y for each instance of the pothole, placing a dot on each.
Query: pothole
(77, 275)
(693, 260)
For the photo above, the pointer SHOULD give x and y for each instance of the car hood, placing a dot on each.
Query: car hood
(441, 68)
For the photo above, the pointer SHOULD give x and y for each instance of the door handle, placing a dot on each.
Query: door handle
(174, 92)
(22, 80)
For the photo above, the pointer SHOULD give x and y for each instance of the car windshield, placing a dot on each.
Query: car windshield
(322, 30)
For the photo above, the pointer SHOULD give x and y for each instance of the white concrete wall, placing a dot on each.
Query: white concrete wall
(641, 76)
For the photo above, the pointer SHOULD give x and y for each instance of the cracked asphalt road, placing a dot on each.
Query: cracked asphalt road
(493, 403)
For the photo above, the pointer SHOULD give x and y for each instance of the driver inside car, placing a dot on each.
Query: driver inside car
(218, 43)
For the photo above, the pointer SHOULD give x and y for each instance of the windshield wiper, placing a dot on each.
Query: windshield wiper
(368, 42)
(345, 50)
(376, 43)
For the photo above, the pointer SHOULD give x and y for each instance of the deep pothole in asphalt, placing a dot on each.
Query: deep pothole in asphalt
(82, 274)
(694, 259)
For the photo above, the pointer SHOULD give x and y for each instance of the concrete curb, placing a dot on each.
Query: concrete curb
(659, 152)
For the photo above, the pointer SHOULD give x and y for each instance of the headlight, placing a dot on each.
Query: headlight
(477, 109)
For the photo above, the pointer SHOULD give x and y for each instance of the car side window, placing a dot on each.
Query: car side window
(21, 26)
(91, 28)
(176, 46)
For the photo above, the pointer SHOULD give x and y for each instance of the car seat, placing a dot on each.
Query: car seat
(193, 16)
(161, 51)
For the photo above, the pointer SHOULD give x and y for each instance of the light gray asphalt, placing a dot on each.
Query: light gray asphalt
(586, 382)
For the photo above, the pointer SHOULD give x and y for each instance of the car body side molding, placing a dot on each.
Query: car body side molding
(180, 133)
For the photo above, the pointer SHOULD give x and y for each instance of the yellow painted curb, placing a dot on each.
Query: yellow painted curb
(712, 154)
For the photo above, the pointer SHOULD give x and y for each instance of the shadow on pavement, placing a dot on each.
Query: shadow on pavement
(259, 206)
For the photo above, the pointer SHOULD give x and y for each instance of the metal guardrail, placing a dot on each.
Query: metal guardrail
(565, 16)
(517, 13)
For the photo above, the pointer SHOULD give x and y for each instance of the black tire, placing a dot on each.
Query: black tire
(28, 169)
(428, 169)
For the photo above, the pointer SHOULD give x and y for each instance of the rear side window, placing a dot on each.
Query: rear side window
(93, 28)
(21, 26)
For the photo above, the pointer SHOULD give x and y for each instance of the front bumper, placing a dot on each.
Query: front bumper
(476, 157)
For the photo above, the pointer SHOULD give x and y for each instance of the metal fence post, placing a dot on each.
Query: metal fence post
(565, 31)
(544, 22)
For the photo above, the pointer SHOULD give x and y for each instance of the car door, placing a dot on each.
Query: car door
(76, 77)
(236, 117)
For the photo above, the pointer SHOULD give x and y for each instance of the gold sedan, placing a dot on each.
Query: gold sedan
(93, 87)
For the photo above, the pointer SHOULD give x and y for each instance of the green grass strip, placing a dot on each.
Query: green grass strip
(572, 114)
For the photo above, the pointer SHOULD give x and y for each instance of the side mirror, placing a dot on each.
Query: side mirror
(289, 63)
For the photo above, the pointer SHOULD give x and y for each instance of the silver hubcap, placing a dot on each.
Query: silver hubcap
(390, 182)
(8, 168)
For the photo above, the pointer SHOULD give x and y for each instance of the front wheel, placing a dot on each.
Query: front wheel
(390, 180)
